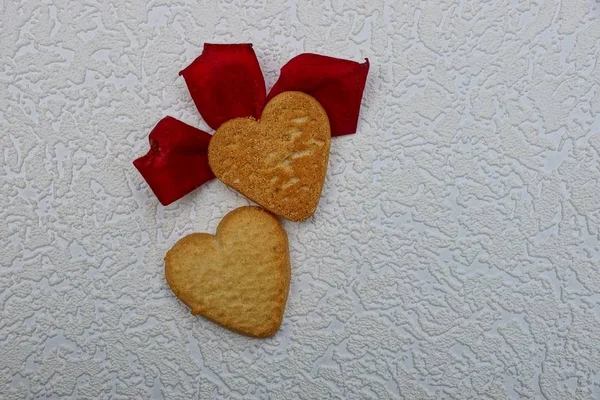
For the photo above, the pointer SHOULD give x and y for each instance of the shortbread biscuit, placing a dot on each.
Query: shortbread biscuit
(238, 278)
(280, 161)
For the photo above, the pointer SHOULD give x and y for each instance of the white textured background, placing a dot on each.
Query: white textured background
(455, 253)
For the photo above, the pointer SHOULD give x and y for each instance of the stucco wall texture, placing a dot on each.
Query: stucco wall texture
(455, 252)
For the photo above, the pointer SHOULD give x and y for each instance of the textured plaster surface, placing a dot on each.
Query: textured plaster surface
(455, 252)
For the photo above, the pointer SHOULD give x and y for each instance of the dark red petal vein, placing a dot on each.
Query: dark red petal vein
(177, 162)
(226, 82)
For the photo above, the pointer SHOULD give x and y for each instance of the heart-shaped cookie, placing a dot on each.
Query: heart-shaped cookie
(280, 161)
(238, 278)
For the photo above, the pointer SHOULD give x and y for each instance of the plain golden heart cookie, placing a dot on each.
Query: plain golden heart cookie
(238, 278)
(280, 161)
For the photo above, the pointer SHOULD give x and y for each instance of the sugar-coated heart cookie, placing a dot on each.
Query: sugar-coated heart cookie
(279, 161)
(238, 278)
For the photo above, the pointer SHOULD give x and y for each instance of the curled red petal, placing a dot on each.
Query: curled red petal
(177, 162)
(337, 84)
(226, 82)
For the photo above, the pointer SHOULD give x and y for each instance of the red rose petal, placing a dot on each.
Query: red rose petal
(226, 82)
(337, 84)
(177, 162)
